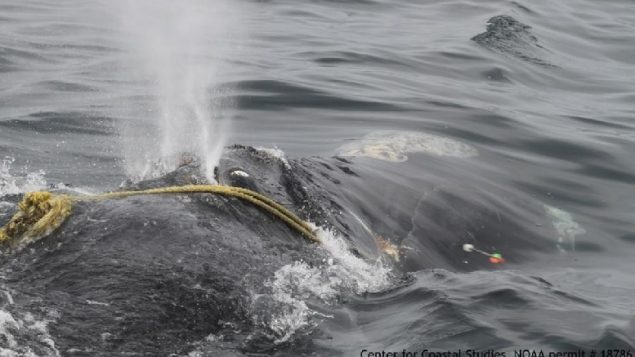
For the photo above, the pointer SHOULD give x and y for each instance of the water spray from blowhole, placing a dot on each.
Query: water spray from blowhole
(175, 54)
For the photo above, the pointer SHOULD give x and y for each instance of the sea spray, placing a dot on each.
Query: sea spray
(175, 51)
(13, 182)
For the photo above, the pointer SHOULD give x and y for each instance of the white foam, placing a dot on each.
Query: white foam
(394, 146)
(7, 325)
(93, 302)
(566, 227)
(19, 336)
(293, 285)
(360, 275)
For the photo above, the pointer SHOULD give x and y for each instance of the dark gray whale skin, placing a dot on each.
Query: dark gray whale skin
(505, 34)
(153, 275)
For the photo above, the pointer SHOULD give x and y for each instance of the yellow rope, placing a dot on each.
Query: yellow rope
(40, 213)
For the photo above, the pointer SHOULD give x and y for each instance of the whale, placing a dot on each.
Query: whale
(161, 274)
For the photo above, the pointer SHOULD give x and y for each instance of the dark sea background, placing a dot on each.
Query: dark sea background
(93, 92)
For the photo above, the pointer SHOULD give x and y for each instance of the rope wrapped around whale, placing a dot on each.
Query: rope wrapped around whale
(40, 213)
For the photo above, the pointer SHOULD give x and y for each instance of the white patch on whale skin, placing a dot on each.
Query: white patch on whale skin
(239, 173)
(394, 146)
(564, 224)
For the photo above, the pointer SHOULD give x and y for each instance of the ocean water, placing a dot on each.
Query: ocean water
(531, 99)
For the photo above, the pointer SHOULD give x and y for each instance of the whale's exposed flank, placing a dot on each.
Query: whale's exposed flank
(161, 273)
